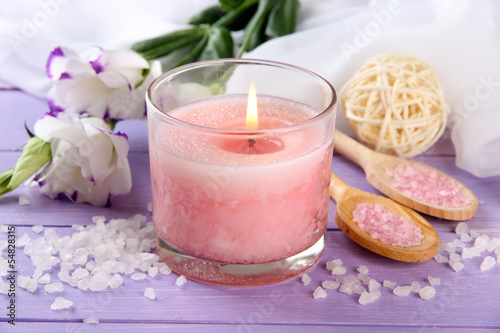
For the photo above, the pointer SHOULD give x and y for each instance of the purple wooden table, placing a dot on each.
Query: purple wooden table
(465, 300)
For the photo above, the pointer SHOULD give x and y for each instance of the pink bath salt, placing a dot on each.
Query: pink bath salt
(428, 185)
(387, 226)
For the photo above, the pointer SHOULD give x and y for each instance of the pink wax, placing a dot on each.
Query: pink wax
(213, 200)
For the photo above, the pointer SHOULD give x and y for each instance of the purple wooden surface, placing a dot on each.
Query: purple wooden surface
(465, 300)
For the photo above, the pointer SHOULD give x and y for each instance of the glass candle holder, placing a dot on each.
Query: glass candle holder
(238, 203)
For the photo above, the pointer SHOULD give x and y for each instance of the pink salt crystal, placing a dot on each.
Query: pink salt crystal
(428, 185)
(387, 226)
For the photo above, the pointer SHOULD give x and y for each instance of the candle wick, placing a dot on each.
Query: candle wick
(251, 142)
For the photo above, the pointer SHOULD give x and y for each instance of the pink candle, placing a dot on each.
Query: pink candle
(249, 199)
(240, 200)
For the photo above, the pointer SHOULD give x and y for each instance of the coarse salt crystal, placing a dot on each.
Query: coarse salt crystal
(306, 279)
(465, 238)
(339, 270)
(358, 289)
(457, 266)
(319, 293)
(387, 226)
(27, 283)
(367, 297)
(440, 258)
(427, 293)
(149, 293)
(61, 303)
(91, 321)
(44, 279)
(152, 271)
(493, 244)
(402, 290)
(426, 184)
(462, 228)
(330, 285)
(389, 284)
(434, 281)
(23, 241)
(80, 273)
(138, 276)
(53, 287)
(487, 263)
(333, 263)
(363, 269)
(181, 280)
(37, 228)
(415, 286)
(98, 219)
(23, 200)
(454, 257)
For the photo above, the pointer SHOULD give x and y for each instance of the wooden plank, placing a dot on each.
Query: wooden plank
(286, 302)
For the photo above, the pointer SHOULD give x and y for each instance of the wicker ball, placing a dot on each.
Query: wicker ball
(395, 104)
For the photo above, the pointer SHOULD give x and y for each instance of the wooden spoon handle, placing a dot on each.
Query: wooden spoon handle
(352, 149)
(337, 187)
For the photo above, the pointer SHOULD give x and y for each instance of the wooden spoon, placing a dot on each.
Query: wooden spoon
(375, 164)
(347, 198)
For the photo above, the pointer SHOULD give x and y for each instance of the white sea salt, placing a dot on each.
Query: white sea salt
(482, 242)
(23, 240)
(415, 286)
(80, 273)
(487, 263)
(457, 266)
(363, 269)
(440, 258)
(427, 293)
(367, 297)
(358, 289)
(99, 282)
(27, 283)
(389, 284)
(23, 200)
(150, 207)
(454, 257)
(181, 280)
(330, 285)
(138, 276)
(44, 279)
(61, 303)
(493, 244)
(333, 263)
(462, 228)
(115, 281)
(91, 321)
(306, 279)
(152, 271)
(467, 253)
(434, 281)
(339, 270)
(402, 290)
(319, 293)
(150, 293)
(465, 238)
(53, 287)
(363, 278)
(37, 228)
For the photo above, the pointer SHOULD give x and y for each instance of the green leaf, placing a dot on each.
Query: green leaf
(27, 130)
(254, 30)
(207, 16)
(238, 17)
(219, 44)
(5, 180)
(166, 44)
(283, 18)
(35, 155)
(194, 53)
(228, 5)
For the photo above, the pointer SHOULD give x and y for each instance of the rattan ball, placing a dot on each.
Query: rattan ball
(395, 104)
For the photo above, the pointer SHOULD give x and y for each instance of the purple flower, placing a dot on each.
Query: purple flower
(99, 83)
(89, 162)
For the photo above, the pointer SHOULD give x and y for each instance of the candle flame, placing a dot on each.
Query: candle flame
(252, 122)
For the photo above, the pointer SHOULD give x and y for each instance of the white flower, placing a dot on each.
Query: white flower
(89, 162)
(100, 83)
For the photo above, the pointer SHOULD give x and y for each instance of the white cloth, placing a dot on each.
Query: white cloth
(459, 39)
